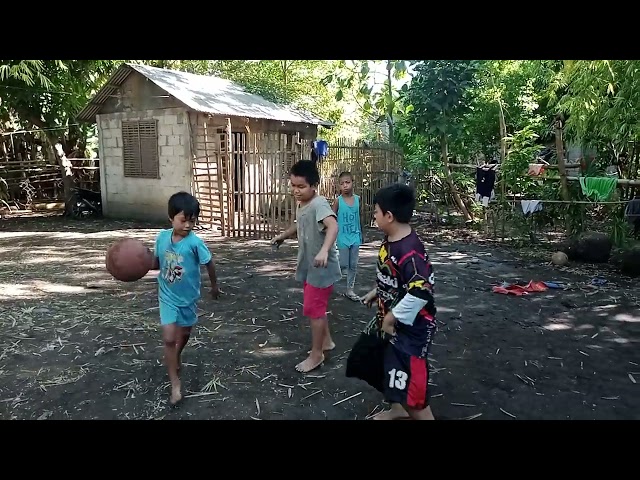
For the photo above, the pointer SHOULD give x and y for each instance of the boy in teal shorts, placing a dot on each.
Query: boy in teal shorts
(179, 254)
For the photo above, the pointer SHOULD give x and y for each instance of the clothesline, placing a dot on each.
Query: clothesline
(632, 210)
(497, 166)
(619, 181)
(594, 202)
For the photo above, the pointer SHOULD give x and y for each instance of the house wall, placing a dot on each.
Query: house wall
(264, 182)
(139, 99)
(144, 198)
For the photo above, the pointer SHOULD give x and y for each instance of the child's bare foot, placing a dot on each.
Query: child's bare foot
(396, 412)
(327, 347)
(351, 295)
(311, 363)
(176, 394)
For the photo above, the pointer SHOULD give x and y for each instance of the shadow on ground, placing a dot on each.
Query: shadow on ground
(77, 344)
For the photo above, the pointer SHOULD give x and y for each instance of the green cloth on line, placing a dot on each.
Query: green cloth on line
(599, 187)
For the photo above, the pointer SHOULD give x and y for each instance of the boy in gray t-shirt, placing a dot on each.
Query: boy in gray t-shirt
(318, 267)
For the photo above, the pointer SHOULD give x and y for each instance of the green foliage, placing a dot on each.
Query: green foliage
(602, 103)
(377, 102)
(29, 72)
(51, 94)
(619, 229)
(523, 148)
(438, 98)
(435, 106)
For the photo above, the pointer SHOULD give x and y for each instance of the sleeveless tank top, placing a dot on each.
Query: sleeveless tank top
(349, 233)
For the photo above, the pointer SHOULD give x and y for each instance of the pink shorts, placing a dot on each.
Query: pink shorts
(315, 301)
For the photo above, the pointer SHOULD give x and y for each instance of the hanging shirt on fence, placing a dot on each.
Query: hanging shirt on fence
(485, 181)
(632, 213)
(536, 169)
(321, 147)
(600, 188)
(531, 206)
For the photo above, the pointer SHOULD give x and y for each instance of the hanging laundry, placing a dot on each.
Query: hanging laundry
(531, 206)
(598, 188)
(321, 148)
(485, 181)
(633, 208)
(536, 169)
(632, 214)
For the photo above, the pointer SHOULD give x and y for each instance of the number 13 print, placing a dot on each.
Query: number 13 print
(397, 379)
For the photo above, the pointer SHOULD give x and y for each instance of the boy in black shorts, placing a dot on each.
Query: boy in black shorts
(406, 309)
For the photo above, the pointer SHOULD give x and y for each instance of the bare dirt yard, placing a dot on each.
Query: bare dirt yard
(75, 344)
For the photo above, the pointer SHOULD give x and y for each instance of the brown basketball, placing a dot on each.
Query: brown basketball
(129, 260)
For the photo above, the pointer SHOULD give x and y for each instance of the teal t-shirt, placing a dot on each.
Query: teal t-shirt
(179, 279)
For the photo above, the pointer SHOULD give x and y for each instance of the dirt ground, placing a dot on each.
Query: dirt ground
(72, 352)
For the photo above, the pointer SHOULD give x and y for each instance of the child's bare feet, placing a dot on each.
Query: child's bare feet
(327, 347)
(176, 394)
(311, 363)
(396, 412)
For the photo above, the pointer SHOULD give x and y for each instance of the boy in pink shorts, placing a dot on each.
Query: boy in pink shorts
(318, 267)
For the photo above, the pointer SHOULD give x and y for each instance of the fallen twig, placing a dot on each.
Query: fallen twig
(348, 398)
(471, 417)
(507, 413)
(311, 395)
(200, 394)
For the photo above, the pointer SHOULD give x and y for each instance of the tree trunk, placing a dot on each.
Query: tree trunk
(454, 191)
(60, 156)
(564, 187)
(65, 169)
(503, 156)
(562, 169)
(390, 106)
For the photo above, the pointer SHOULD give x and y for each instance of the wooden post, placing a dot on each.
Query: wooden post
(230, 178)
(564, 187)
(560, 153)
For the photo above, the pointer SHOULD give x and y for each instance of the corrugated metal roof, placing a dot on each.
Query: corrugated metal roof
(202, 93)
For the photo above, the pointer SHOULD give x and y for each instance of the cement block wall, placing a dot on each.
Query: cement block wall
(144, 198)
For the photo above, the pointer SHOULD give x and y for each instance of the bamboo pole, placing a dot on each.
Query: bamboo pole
(620, 181)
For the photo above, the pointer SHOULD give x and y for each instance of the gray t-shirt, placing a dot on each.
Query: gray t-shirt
(311, 235)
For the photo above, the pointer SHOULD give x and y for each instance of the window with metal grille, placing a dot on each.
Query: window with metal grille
(140, 149)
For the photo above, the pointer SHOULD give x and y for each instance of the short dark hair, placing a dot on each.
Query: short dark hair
(307, 170)
(183, 202)
(398, 199)
(345, 174)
